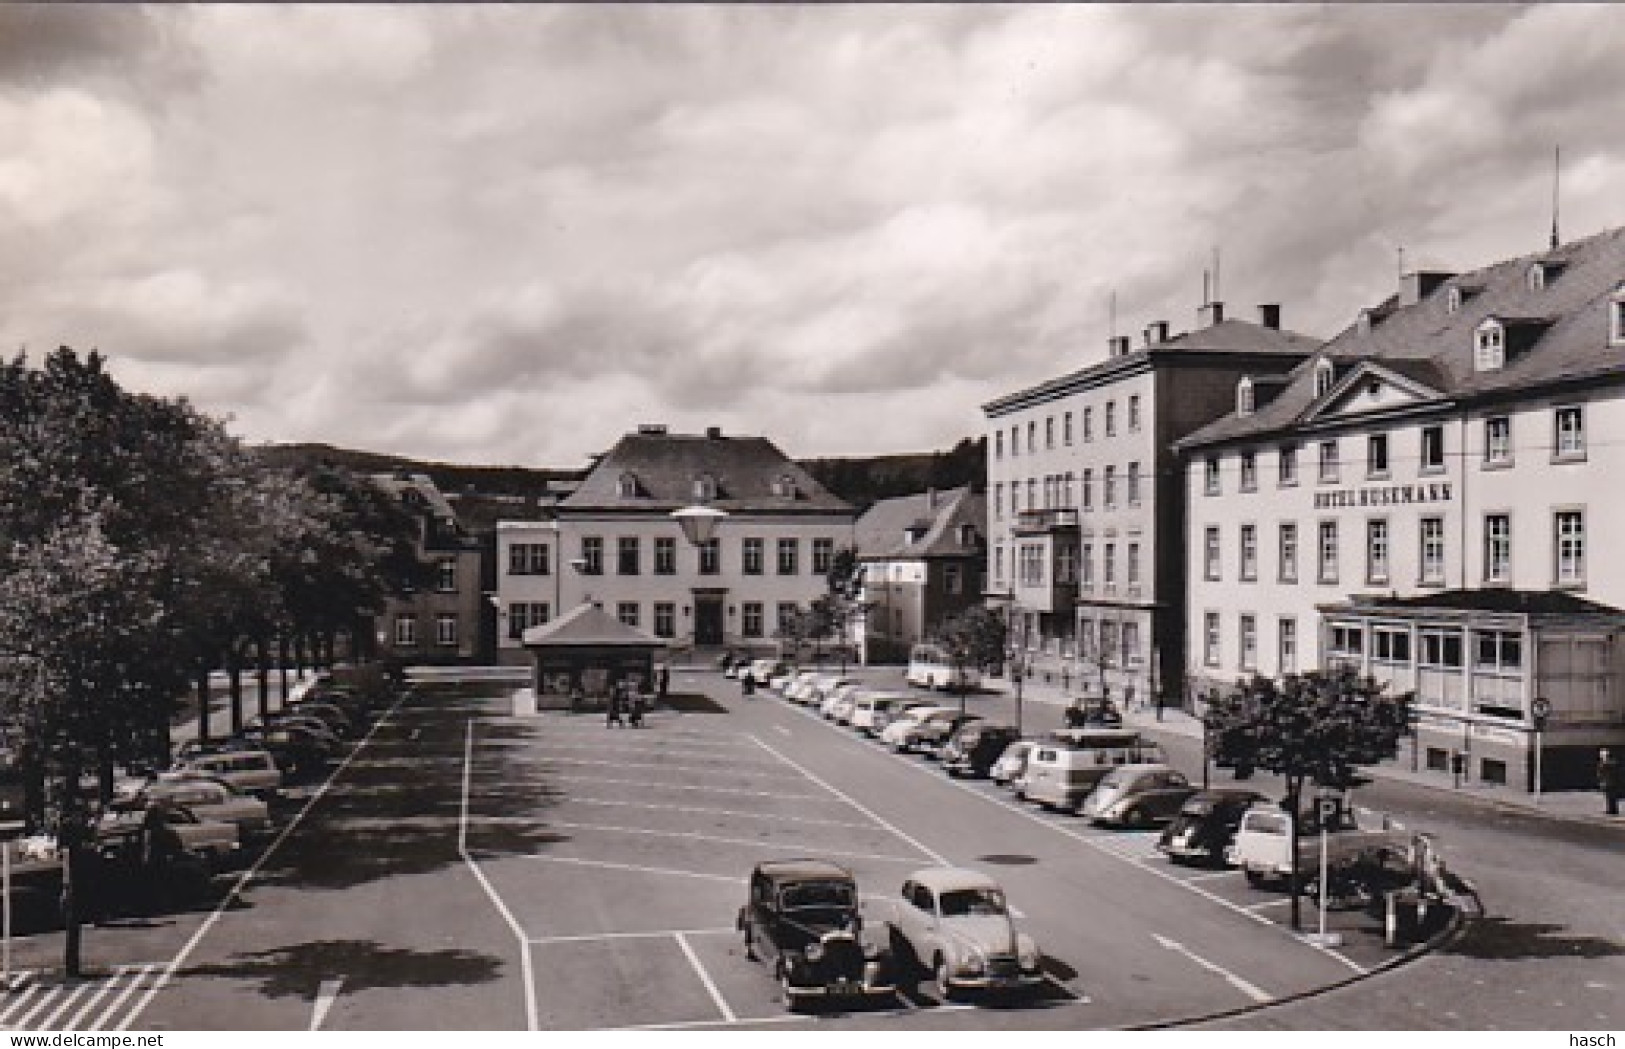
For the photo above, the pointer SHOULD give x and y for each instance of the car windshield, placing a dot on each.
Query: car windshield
(960, 902)
(816, 894)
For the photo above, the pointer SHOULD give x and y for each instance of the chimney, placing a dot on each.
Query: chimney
(1209, 315)
(713, 433)
(1156, 332)
(1120, 345)
(1414, 287)
(1269, 315)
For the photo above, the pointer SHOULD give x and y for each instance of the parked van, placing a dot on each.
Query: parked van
(1065, 766)
(930, 667)
(250, 771)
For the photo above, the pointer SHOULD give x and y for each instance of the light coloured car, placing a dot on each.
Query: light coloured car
(838, 700)
(1012, 763)
(896, 710)
(823, 686)
(250, 771)
(870, 710)
(211, 800)
(798, 687)
(763, 671)
(1137, 796)
(954, 923)
(905, 729)
(780, 682)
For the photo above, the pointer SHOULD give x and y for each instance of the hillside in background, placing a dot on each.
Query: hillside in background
(860, 481)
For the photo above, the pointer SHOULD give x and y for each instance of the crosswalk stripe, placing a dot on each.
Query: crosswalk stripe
(107, 1015)
(49, 1022)
(46, 998)
(72, 1023)
(20, 1001)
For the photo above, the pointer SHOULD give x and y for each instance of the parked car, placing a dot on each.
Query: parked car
(1262, 851)
(210, 799)
(1138, 796)
(212, 841)
(931, 667)
(340, 723)
(902, 730)
(870, 710)
(780, 682)
(762, 671)
(823, 686)
(1206, 825)
(802, 917)
(1012, 763)
(797, 689)
(954, 924)
(1066, 764)
(976, 747)
(936, 731)
(250, 771)
(895, 710)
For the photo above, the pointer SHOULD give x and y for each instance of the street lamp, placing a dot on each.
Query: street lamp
(699, 523)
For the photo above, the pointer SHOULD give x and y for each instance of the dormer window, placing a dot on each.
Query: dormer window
(1452, 300)
(785, 487)
(627, 486)
(967, 535)
(1323, 377)
(1489, 348)
(705, 488)
(1616, 317)
(1537, 277)
(1244, 397)
(1362, 323)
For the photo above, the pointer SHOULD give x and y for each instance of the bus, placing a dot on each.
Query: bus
(930, 667)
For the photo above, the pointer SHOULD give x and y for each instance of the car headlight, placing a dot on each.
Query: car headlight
(972, 964)
(814, 951)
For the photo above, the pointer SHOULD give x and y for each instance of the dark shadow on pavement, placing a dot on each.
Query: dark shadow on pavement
(300, 969)
(1498, 938)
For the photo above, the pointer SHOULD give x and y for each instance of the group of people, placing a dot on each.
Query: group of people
(1102, 712)
(627, 704)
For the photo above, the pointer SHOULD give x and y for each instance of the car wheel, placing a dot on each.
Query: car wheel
(1255, 879)
(944, 986)
(750, 944)
(1134, 818)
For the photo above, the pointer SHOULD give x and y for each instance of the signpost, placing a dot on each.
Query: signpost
(1539, 710)
(1326, 808)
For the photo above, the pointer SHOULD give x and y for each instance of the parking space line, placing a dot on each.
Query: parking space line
(1209, 876)
(1099, 842)
(112, 1010)
(1250, 990)
(251, 873)
(636, 868)
(48, 1022)
(628, 741)
(490, 891)
(659, 934)
(17, 1003)
(702, 810)
(936, 857)
(752, 842)
(72, 1022)
(664, 765)
(686, 1025)
(1267, 903)
(571, 777)
(705, 978)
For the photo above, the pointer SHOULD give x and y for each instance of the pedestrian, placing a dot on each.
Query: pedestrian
(636, 715)
(663, 685)
(1610, 781)
(747, 685)
(613, 718)
(1075, 717)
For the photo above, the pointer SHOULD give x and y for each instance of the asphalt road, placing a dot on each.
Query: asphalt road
(469, 870)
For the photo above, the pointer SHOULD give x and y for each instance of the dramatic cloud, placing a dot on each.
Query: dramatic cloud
(510, 233)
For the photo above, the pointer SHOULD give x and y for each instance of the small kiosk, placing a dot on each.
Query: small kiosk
(578, 658)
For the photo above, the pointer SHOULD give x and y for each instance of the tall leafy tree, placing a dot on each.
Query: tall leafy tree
(973, 638)
(1317, 728)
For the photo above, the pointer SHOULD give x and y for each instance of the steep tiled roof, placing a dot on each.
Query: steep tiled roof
(748, 472)
(1227, 336)
(881, 530)
(1434, 346)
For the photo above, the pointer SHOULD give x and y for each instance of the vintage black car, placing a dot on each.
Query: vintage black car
(803, 919)
(1206, 825)
(973, 750)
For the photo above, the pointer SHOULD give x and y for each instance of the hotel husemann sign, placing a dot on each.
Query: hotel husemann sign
(1385, 495)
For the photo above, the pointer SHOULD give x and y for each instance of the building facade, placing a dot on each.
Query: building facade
(1086, 517)
(923, 558)
(614, 543)
(443, 621)
(1420, 499)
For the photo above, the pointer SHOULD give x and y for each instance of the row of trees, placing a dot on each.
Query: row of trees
(141, 547)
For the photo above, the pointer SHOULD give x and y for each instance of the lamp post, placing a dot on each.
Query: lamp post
(1017, 659)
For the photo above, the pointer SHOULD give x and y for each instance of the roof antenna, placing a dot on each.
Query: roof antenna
(1401, 262)
(1111, 313)
(1207, 296)
(1216, 296)
(1557, 168)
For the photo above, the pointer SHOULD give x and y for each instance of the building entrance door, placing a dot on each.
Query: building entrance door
(707, 620)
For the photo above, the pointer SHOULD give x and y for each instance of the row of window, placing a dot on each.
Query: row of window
(1031, 561)
(1286, 641)
(446, 630)
(1110, 642)
(1568, 550)
(522, 615)
(1109, 419)
(1568, 443)
(1058, 490)
(533, 558)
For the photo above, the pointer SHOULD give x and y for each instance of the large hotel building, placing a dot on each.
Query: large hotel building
(1086, 507)
(1422, 498)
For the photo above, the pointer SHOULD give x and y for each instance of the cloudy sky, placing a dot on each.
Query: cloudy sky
(506, 235)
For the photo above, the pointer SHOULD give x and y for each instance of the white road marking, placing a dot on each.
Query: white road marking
(1077, 999)
(571, 777)
(112, 1010)
(935, 856)
(705, 978)
(490, 891)
(685, 1025)
(249, 875)
(702, 810)
(643, 743)
(48, 1022)
(1231, 978)
(669, 766)
(326, 995)
(1099, 842)
(1266, 903)
(18, 1002)
(752, 842)
(1209, 876)
(636, 868)
(72, 1022)
(657, 935)
(45, 999)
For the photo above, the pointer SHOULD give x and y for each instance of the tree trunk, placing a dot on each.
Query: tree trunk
(299, 653)
(262, 661)
(282, 664)
(1294, 787)
(203, 701)
(234, 677)
(69, 839)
